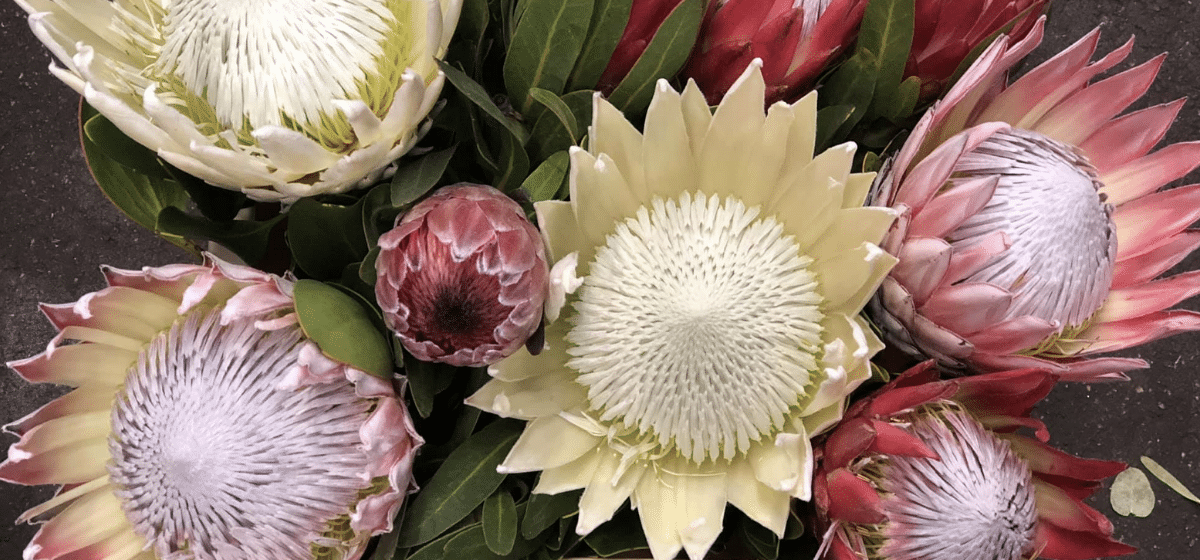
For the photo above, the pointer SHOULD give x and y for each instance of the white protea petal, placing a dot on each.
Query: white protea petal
(666, 335)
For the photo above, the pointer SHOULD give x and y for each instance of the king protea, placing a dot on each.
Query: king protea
(277, 99)
(935, 470)
(207, 425)
(1032, 225)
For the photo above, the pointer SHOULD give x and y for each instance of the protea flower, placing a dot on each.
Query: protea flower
(1031, 228)
(703, 319)
(277, 99)
(946, 31)
(934, 470)
(794, 38)
(645, 17)
(462, 277)
(205, 425)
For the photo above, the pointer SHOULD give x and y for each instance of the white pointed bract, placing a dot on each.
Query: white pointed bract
(702, 322)
(206, 426)
(279, 99)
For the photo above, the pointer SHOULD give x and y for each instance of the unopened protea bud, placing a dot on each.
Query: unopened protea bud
(462, 277)
(794, 38)
(645, 17)
(933, 470)
(206, 425)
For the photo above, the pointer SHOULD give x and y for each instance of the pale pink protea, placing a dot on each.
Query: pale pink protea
(934, 470)
(462, 277)
(1031, 223)
(205, 425)
(946, 31)
(645, 17)
(794, 38)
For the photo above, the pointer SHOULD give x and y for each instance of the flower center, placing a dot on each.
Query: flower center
(215, 461)
(976, 503)
(698, 326)
(244, 64)
(1060, 265)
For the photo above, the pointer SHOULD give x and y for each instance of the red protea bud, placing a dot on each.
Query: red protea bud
(794, 39)
(645, 17)
(462, 277)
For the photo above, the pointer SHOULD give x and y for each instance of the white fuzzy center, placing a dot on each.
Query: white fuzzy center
(976, 503)
(698, 325)
(1064, 242)
(270, 60)
(215, 462)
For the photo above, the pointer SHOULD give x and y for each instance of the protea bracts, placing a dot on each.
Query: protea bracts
(462, 278)
(205, 424)
(1032, 225)
(935, 470)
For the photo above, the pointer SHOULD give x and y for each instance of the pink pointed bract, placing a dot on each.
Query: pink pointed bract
(462, 278)
(937, 470)
(945, 32)
(1033, 224)
(794, 39)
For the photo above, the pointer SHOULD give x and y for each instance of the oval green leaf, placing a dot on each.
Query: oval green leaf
(500, 522)
(342, 328)
(664, 56)
(544, 47)
(609, 19)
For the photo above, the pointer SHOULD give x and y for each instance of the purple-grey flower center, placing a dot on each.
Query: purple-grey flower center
(213, 460)
(1060, 265)
(975, 503)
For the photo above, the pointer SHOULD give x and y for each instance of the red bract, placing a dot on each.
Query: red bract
(935, 470)
(794, 39)
(946, 31)
(462, 277)
(645, 17)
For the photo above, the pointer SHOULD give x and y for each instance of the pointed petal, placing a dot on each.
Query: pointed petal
(531, 453)
(292, 151)
(1164, 254)
(965, 262)
(607, 491)
(684, 510)
(89, 520)
(1118, 335)
(848, 280)
(530, 398)
(1012, 335)
(784, 465)
(668, 145)
(612, 134)
(968, 307)
(760, 503)
(1129, 137)
(950, 208)
(1146, 174)
(923, 262)
(1082, 113)
(856, 500)
(571, 476)
(1145, 222)
(1136, 301)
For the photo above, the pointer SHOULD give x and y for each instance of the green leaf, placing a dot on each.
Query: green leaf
(829, 121)
(342, 328)
(214, 203)
(324, 238)
(135, 194)
(852, 84)
(247, 239)
(513, 163)
(546, 509)
(480, 98)
(414, 178)
(664, 56)
(115, 145)
(1131, 493)
(544, 47)
(500, 522)
(545, 181)
(1167, 478)
(378, 215)
(560, 110)
(470, 543)
(622, 534)
(425, 381)
(760, 539)
(887, 33)
(905, 101)
(465, 480)
(366, 269)
(609, 19)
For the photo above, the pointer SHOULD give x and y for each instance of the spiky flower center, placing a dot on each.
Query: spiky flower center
(243, 64)
(975, 503)
(1047, 201)
(698, 326)
(215, 461)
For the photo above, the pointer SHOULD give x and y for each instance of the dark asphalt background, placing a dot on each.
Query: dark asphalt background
(56, 229)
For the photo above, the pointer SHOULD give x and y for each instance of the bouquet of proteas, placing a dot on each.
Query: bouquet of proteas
(544, 279)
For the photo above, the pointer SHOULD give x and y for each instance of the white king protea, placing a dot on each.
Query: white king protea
(703, 316)
(276, 98)
(205, 425)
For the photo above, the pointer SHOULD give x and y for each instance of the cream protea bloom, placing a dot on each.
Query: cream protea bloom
(703, 316)
(279, 99)
(205, 426)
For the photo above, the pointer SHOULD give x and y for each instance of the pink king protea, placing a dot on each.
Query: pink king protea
(946, 31)
(462, 277)
(205, 425)
(1031, 229)
(794, 38)
(934, 470)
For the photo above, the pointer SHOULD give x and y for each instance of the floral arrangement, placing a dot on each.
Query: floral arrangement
(547, 279)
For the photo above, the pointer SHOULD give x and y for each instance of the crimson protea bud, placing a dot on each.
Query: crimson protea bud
(462, 277)
(645, 17)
